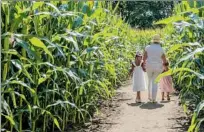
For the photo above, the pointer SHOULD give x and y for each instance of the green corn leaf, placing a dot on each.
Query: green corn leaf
(74, 33)
(11, 51)
(176, 47)
(77, 22)
(53, 91)
(191, 54)
(73, 75)
(16, 23)
(43, 79)
(47, 14)
(25, 45)
(56, 123)
(193, 123)
(6, 107)
(59, 102)
(17, 63)
(43, 14)
(54, 7)
(70, 39)
(54, 119)
(11, 120)
(88, 50)
(47, 64)
(18, 9)
(19, 83)
(38, 43)
(199, 107)
(185, 108)
(170, 72)
(24, 98)
(13, 98)
(20, 66)
(69, 14)
(81, 89)
(191, 128)
(85, 8)
(56, 46)
(199, 125)
(170, 20)
(37, 5)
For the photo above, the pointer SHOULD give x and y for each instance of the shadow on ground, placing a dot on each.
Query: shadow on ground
(165, 101)
(124, 99)
(134, 104)
(182, 124)
(150, 105)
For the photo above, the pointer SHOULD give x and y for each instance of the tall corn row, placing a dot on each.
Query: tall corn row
(185, 46)
(59, 59)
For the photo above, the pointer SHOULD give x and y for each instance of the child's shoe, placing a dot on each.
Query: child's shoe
(154, 101)
(137, 100)
(168, 98)
(150, 100)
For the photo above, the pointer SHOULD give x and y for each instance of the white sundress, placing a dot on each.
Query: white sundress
(139, 78)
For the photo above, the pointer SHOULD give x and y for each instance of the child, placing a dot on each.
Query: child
(166, 84)
(138, 76)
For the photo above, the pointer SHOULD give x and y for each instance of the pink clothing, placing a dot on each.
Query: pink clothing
(166, 84)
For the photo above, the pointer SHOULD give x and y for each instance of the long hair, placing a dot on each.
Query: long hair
(166, 64)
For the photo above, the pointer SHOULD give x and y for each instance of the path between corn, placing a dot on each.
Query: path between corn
(146, 117)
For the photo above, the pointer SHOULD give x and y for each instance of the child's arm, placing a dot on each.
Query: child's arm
(145, 56)
(143, 66)
(131, 70)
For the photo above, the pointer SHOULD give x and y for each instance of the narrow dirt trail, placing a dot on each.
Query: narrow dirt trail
(145, 117)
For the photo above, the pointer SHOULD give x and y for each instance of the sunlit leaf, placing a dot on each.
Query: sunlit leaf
(38, 43)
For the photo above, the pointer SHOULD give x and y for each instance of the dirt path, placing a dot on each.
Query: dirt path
(125, 115)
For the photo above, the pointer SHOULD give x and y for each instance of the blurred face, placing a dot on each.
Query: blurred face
(139, 58)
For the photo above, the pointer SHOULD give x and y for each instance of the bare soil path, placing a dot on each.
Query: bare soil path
(124, 115)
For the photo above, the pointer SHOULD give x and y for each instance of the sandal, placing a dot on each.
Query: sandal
(137, 101)
(154, 101)
(168, 98)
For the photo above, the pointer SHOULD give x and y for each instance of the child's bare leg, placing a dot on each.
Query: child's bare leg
(138, 96)
(168, 97)
(162, 95)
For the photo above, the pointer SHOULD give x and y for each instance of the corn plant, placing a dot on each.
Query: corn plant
(196, 121)
(58, 59)
(186, 54)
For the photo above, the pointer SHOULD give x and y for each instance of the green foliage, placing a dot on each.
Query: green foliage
(142, 14)
(59, 58)
(186, 54)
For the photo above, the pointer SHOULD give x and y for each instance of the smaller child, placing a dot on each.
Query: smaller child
(166, 84)
(138, 76)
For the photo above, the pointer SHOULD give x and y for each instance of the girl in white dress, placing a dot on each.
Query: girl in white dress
(137, 71)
